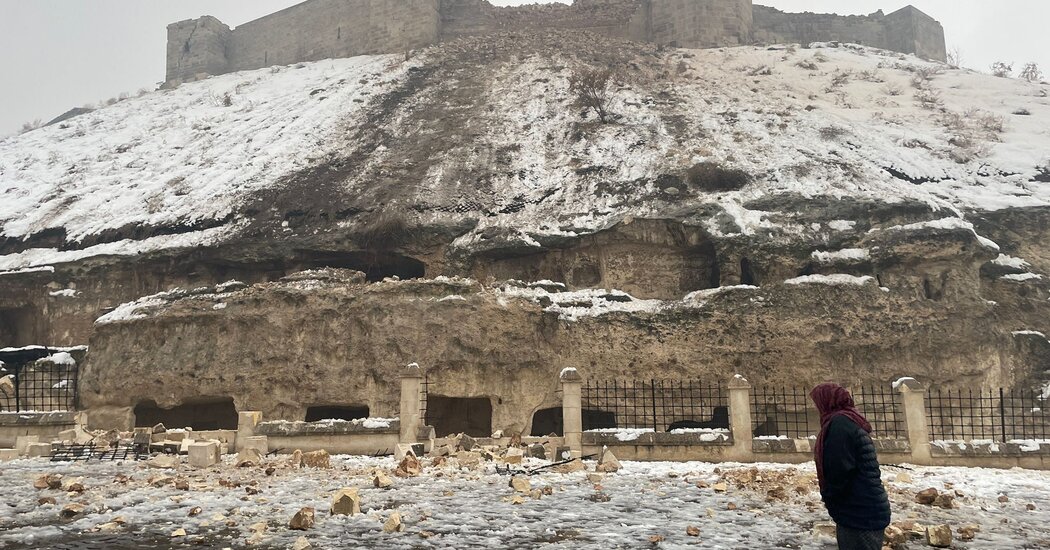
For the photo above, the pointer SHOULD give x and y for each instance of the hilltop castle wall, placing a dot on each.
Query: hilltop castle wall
(907, 30)
(320, 29)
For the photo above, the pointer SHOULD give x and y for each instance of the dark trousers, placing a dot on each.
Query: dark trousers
(853, 539)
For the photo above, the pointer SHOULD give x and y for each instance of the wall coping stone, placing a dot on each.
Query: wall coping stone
(38, 418)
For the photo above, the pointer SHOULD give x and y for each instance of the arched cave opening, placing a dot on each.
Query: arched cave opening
(17, 327)
(199, 414)
(747, 272)
(453, 415)
(336, 412)
(547, 421)
(596, 419)
(375, 265)
(932, 291)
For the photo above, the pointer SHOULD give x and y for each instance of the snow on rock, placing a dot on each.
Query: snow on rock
(1022, 277)
(901, 381)
(844, 255)
(61, 358)
(838, 279)
(578, 304)
(64, 293)
(1010, 261)
(624, 434)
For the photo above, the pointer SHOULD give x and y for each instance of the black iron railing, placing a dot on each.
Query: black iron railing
(659, 405)
(987, 414)
(41, 387)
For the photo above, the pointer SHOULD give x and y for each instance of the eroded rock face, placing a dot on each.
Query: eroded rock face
(279, 347)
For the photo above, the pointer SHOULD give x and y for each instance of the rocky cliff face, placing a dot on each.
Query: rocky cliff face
(891, 212)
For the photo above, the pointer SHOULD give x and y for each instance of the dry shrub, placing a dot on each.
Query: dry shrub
(1031, 73)
(831, 133)
(592, 89)
(713, 177)
(1002, 69)
(384, 232)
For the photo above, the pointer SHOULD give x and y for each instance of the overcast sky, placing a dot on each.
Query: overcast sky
(59, 54)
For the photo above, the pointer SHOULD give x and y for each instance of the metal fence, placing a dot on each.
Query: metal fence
(40, 387)
(789, 412)
(660, 405)
(987, 414)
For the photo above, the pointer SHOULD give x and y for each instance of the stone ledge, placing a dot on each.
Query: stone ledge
(38, 418)
(325, 427)
(806, 445)
(985, 449)
(657, 438)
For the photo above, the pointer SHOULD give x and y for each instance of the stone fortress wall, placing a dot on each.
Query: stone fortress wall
(320, 29)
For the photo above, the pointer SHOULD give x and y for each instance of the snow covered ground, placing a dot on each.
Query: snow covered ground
(770, 506)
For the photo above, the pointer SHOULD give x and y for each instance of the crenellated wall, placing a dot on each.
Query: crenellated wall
(321, 29)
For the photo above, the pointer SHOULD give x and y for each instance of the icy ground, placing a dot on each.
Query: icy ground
(772, 506)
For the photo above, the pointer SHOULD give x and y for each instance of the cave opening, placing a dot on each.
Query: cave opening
(931, 292)
(547, 421)
(336, 412)
(199, 414)
(747, 272)
(375, 265)
(597, 419)
(453, 415)
(17, 327)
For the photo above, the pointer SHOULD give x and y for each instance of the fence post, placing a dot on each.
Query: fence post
(411, 384)
(913, 401)
(740, 417)
(572, 410)
(18, 376)
(246, 423)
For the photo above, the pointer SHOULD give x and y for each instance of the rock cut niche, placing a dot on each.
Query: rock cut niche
(453, 415)
(547, 421)
(200, 414)
(375, 265)
(17, 327)
(646, 258)
(336, 412)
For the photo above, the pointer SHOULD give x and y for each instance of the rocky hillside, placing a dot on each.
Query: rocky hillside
(924, 190)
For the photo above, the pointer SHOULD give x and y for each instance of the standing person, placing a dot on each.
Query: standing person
(848, 471)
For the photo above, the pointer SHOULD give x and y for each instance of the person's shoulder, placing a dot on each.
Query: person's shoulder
(842, 422)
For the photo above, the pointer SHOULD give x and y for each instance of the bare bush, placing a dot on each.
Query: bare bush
(831, 133)
(1031, 72)
(30, 126)
(870, 76)
(840, 78)
(713, 177)
(1002, 70)
(955, 58)
(807, 64)
(929, 99)
(592, 88)
(922, 76)
(893, 90)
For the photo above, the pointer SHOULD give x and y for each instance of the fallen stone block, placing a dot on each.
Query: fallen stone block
(346, 502)
(382, 481)
(38, 450)
(409, 467)
(22, 442)
(393, 524)
(939, 536)
(203, 454)
(260, 443)
(249, 457)
(926, 496)
(575, 465)
(537, 451)
(303, 519)
(317, 459)
(402, 450)
(513, 456)
(607, 462)
(48, 481)
(521, 484)
(824, 529)
(8, 454)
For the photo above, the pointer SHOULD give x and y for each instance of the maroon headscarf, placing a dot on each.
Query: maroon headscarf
(833, 400)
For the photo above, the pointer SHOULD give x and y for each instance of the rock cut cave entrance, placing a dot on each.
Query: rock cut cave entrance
(17, 327)
(201, 414)
(375, 265)
(453, 415)
(336, 412)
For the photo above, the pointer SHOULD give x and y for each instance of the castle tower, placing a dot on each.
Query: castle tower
(196, 47)
(700, 23)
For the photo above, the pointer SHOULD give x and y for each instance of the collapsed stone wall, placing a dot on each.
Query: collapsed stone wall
(320, 29)
(907, 30)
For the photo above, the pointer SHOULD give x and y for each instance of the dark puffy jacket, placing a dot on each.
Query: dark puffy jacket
(853, 492)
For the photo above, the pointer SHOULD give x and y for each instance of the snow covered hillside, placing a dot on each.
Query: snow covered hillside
(484, 133)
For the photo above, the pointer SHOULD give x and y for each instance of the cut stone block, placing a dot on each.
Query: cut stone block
(9, 454)
(203, 454)
(22, 442)
(37, 450)
(258, 442)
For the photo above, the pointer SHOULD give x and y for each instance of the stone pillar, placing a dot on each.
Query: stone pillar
(411, 387)
(572, 410)
(740, 418)
(913, 403)
(246, 423)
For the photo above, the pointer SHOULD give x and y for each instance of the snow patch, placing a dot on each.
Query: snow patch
(838, 279)
(844, 255)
